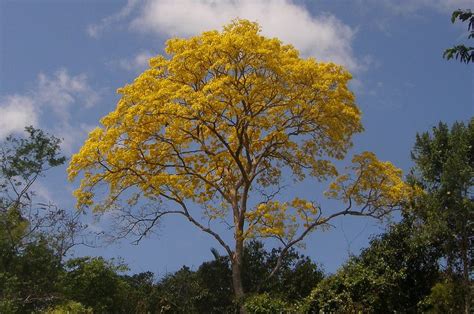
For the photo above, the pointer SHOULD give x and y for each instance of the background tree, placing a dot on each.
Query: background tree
(445, 170)
(464, 53)
(394, 274)
(96, 283)
(210, 132)
(34, 235)
(209, 288)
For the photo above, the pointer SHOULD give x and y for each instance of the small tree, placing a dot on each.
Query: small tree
(219, 124)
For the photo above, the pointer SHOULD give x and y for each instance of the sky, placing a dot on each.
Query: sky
(62, 61)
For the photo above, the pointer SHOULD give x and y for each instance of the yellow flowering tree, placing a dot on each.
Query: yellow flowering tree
(208, 132)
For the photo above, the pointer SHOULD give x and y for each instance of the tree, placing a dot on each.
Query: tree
(96, 283)
(445, 170)
(219, 125)
(34, 235)
(23, 217)
(141, 296)
(394, 274)
(465, 54)
(209, 288)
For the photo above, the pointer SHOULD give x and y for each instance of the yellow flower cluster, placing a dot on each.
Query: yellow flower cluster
(223, 113)
(375, 184)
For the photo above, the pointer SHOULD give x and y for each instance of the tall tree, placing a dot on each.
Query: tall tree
(219, 124)
(445, 170)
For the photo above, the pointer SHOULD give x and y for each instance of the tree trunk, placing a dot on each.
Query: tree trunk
(237, 274)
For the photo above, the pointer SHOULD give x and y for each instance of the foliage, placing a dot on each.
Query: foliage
(30, 279)
(141, 293)
(264, 303)
(393, 274)
(445, 297)
(96, 283)
(209, 288)
(463, 53)
(34, 236)
(182, 292)
(22, 161)
(69, 307)
(445, 170)
(294, 281)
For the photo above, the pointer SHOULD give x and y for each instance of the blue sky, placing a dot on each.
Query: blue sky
(62, 61)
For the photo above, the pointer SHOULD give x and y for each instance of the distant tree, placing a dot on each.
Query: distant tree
(96, 283)
(444, 168)
(392, 275)
(141, 294)
(67, 307)
(182, 292)
(209, 288)
(295, 280)
(446, 297)
(463, 53)
(266, 304)
(34, 235)
(30, 280)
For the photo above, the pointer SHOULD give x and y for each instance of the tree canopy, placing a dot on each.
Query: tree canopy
(212, 130)
(444, 168)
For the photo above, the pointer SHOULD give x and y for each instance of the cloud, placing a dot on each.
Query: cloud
(16, 112)
(95, 30)
(55, 97)
(62, 90)
(137, 63)
(324, 36)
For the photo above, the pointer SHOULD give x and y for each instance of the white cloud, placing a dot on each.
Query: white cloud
(95, 30)
(324, 37)
(62, 90)
(54, 97)
(137, 63)
(16, 112)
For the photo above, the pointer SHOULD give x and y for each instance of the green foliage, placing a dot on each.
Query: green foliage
(69, 307)
(182, 292)
(209, 288)
(445, 170)
(295, 279)
(463, 53)
(265, 304)
(31, 280)
(141, 293)
(96, 283)
(33, 237)
(22, 161)
(445, 297)
(30, 156)
(392, 275)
